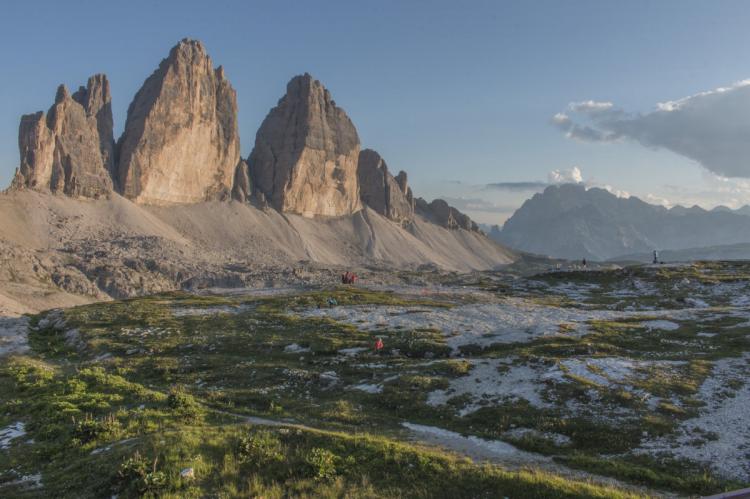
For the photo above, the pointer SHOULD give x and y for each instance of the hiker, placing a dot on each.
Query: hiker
(656, 257)
(348, 277)
(332, 302)
(379, 344)
(583, 262)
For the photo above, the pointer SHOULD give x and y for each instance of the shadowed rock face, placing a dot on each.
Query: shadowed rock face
(441, 213)
(241, 188)
(96, 99)
(69, 150)
(306, 152)
(379, 190)
(181, 143)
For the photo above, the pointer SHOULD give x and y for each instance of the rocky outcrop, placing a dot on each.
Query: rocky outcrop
(181, 143)
(388, 195)
(306, 152)
(69, 150)
(441, 213)
(241, 186)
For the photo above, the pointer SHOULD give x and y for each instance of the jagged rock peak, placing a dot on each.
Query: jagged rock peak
(61, 94)
(379, 190)
(441, 213)
(96, 100)
(69, 150)
(181, 142)
(306, 153)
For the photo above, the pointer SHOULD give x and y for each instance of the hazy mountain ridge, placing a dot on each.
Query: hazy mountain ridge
(571, 221)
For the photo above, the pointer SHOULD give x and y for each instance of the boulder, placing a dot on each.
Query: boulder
(181, 143)
(69, 150)
(382, 192)
(306, 152)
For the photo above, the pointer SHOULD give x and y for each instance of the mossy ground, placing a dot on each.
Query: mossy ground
(142, 391)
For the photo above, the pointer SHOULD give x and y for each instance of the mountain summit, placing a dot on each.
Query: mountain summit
(305, 155)
(181, 143)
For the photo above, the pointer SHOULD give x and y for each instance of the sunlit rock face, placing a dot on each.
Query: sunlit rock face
(70, 149)
(181, 143)
(306, 152)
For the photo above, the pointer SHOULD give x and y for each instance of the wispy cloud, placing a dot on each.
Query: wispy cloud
(517, 186)
(711, 128)
(477, 204)
(560, 176)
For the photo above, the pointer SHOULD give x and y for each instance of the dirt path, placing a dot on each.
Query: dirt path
(475, 448)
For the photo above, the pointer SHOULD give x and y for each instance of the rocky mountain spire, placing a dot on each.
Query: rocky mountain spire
(96, 100)
(379, 190)
(69, 150)
(306, 152)
(181, 143)
(241, 188)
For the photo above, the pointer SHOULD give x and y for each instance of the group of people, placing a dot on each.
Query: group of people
(348, 277)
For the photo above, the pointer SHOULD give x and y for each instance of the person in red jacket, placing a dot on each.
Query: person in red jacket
(379, 345)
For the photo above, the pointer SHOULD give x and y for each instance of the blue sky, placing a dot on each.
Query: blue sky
(458, 94)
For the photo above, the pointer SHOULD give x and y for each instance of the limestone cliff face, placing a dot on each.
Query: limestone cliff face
(379, 190)
(181, 143)
(69, 150)
(96, 100)
(306, 152)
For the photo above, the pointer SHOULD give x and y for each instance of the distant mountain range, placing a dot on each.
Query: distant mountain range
(571, 221)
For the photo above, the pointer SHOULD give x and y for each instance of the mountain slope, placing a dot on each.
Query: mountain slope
(59, 251)
(570, 221)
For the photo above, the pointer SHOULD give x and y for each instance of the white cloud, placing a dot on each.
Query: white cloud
(565, 176)
(655, 199)
(478, 204)
(712, 127)
(590, 106)
(617, 192)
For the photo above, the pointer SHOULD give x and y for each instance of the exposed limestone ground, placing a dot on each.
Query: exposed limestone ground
(628, 389)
